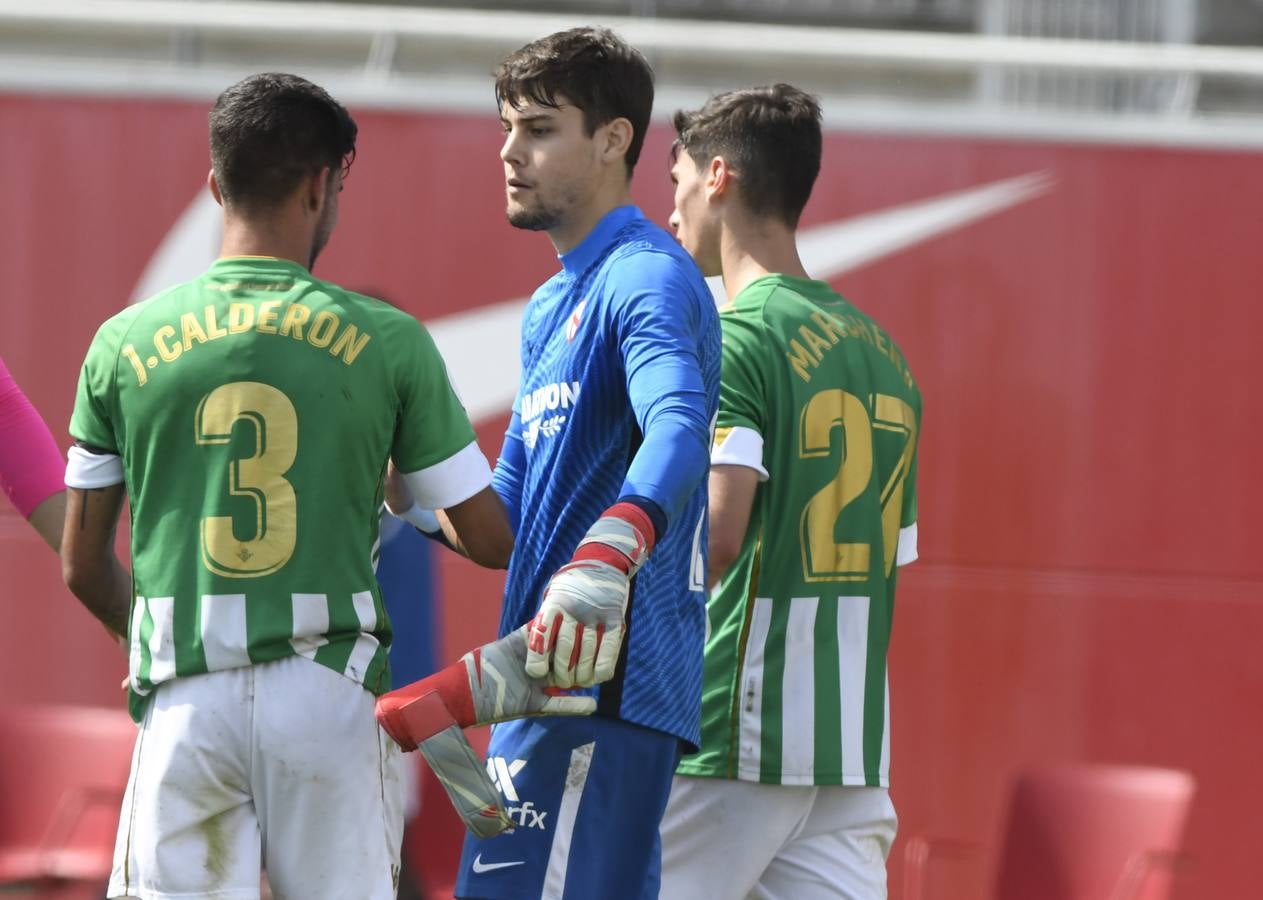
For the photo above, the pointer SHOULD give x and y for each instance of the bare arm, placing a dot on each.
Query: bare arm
(48, 519)
(731, 490)
(477, 528)
(89, 565)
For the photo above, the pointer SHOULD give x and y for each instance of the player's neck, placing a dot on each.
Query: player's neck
(751, 250)
(252, 238)
(581, 220)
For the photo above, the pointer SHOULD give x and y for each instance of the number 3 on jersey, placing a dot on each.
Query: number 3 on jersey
(824, 559)
(260, 478)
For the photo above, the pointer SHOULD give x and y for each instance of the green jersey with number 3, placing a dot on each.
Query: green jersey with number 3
(819, 400)
(254, 410)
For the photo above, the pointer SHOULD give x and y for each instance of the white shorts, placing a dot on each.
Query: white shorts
(727, 840)
(280, 764)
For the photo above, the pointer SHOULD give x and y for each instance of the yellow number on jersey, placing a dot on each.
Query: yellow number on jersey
(824, 559)
(260, 477)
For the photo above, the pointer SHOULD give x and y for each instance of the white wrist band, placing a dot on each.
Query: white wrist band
(419, 517)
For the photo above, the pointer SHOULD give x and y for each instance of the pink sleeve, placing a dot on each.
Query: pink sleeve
(31, 467)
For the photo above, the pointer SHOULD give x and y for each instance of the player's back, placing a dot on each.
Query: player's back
(254, 412)
(843, 415)
(801, 621)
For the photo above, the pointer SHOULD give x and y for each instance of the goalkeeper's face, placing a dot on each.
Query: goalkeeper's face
(552, 166)
(693, 219)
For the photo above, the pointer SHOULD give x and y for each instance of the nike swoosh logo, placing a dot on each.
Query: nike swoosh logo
(480, 866)
(468, 340)
(471, 341)
(836, 248)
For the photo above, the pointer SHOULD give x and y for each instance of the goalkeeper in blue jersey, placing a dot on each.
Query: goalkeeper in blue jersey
(603, 473)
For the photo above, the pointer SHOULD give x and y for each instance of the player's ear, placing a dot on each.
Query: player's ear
(718, 178)
(614, 139)
(214, 187)
(317, 190)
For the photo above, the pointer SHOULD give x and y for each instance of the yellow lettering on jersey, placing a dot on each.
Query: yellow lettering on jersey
(828, 326)
(866, 331)
(348, 344)
(295, 316)
(322, 329)
(192, 330)
(817, 344)
(895, 358)
(213, 329)
(240, 317)
(141, 376)
(168, 352)
(800, 359)
(267, 316)
(879, 341)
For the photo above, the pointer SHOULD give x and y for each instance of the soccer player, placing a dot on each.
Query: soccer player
(812, 511)
(30, 463)
(603, 473)
(248, 416)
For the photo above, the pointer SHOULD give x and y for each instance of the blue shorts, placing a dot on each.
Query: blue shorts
(587, 796)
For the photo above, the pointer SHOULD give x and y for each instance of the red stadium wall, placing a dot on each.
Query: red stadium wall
(1090, 586)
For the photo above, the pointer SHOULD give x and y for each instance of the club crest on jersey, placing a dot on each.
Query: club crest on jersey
(572, 324)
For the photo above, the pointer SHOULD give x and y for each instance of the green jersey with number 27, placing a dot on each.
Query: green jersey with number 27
(820, 400)
(254, 410)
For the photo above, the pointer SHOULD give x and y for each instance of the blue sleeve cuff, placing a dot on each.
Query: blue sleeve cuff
(650, 509)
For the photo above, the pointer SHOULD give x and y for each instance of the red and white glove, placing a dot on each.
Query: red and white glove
(576, 636)
(485, 685)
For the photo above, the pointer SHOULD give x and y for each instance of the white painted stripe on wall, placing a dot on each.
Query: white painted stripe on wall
(798, 693)
(162, 640)
(751, 687)
(853, 662)
(223, 624)
(567, 812)
(311, 623)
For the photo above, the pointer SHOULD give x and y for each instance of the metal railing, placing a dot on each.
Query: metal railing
(425, 58)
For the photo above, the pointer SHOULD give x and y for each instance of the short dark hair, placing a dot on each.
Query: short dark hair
(593, 69)
(269, 131)
(769, 135)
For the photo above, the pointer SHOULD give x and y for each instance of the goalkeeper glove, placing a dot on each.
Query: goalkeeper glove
(469, 787)
(486, 685)
(576, 636)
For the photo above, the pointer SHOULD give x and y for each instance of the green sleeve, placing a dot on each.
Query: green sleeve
(93, 420)
(433, 425)
(908, 515)
(743, 391)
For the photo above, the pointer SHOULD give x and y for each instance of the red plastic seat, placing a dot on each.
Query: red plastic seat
(63, 772)
(1081, 833)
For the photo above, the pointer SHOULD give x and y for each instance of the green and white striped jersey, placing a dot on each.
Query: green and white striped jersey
(253, 410)
(818, 399)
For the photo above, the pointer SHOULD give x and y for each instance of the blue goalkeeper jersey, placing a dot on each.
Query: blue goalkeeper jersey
(619, 391)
